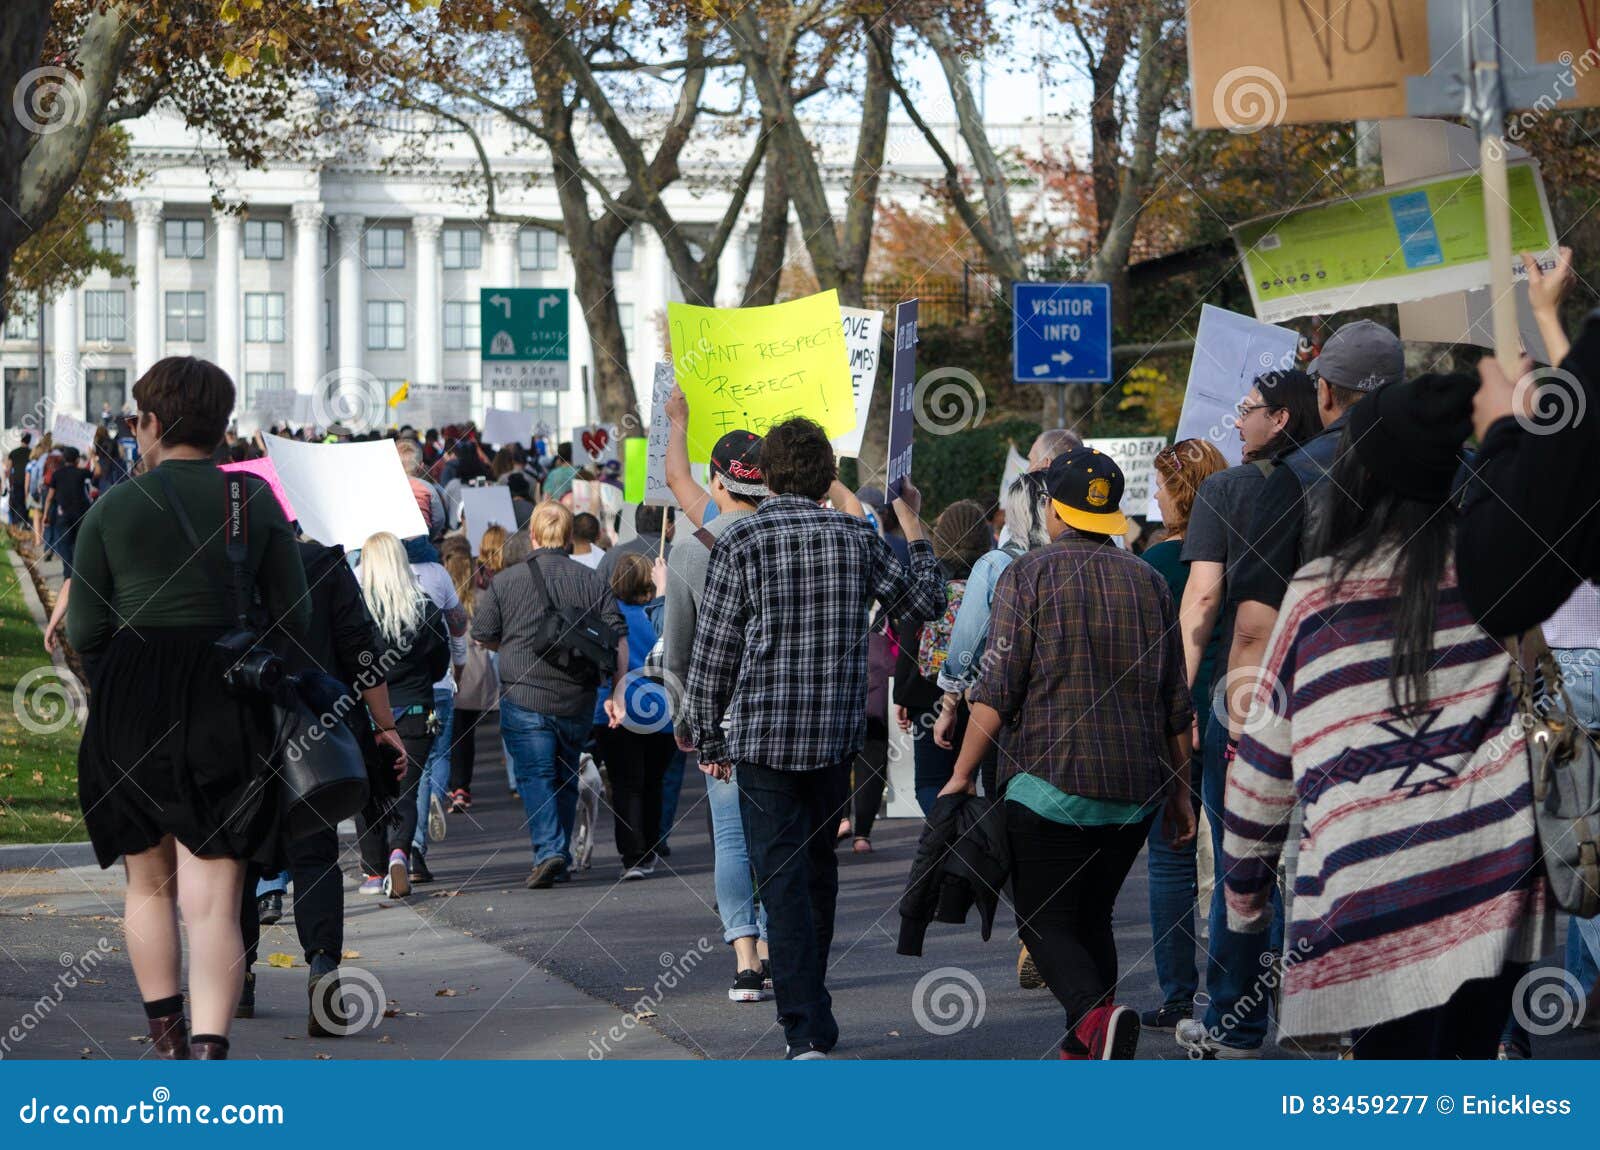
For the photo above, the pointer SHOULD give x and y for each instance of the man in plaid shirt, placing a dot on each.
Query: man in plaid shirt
(781, 655)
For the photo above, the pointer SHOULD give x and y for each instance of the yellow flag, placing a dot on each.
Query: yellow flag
(747, 368)
(399, 396)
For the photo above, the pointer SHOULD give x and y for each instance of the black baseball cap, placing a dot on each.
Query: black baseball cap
(1085, 488)
(736, 460)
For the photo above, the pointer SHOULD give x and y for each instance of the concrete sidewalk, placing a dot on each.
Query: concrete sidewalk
(428, 990)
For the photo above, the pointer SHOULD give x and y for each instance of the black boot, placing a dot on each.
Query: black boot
(247, 997)
(327, 1018)
(169, 1035)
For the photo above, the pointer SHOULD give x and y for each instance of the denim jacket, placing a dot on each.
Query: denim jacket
(971, 629)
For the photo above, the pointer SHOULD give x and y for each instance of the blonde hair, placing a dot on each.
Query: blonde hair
(551, 525)
(457, 559)
(393, 595)
(491, 548)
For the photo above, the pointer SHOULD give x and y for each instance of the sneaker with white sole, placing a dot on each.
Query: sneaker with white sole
(634, 873)
(809, 1054)
(748, 987)
(436, 824)
(397, 883)
(372, 884)
(1120, 1039)
(1200, 1045)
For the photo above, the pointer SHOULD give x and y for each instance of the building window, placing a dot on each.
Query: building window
(263, 239)
(625, 316)
(263, 317)
(255, 382)
(105, 316)
(22, 321)
(108, 235)
(186, 316)
(622, 257)
(104, 387)
(386, 247)
(536, 249)
(461, 331)
(24, 396)
(185, 239)
(463, 248)
(386, 325)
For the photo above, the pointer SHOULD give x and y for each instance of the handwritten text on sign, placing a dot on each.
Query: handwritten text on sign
(750, 368)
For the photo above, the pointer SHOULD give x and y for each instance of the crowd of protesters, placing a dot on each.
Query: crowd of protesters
(1293, 695)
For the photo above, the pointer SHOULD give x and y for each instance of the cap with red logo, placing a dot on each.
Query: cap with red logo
(736, 460)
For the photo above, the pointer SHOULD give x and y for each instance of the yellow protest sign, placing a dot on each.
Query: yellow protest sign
(399, 396)
(748, 368)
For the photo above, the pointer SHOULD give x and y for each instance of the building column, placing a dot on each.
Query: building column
(352, 321)
(429, 366)
(146, 287)
(502, 262)
(730, 271)
(227, 295)
(66, 392)
(307, 306)
(653, 292)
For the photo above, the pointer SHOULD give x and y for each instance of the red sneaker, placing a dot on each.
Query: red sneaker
(1110, 1032)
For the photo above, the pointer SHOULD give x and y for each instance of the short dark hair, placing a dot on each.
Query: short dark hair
(69, 455)
(192, 398)
(648, 520)
(797, 459)
(517, 483)
(1344, 398)
(585, 527)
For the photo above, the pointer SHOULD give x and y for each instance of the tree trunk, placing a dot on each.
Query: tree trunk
(772, 236)
(863, 202)
(23, 24)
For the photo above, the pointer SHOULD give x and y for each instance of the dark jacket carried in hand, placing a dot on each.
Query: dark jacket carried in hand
(962, 860)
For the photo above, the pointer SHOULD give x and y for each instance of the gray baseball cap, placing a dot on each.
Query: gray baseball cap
(1362, 356)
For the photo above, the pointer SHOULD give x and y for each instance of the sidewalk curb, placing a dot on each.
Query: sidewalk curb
(46, 856)
(41, 617)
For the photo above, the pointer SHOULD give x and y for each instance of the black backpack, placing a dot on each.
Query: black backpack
(575, 639)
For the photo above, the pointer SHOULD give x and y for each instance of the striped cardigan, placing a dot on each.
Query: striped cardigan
(1418, 865)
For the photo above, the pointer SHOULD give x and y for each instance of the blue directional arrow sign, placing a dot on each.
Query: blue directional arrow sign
(1061, 333)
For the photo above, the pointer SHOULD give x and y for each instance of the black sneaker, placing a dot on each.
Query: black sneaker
(269, 908)
(328, 1017)
(1165, 1017)
(747, 987)
(545, 873)
(246, 1007)
(804, 1053)
(419, 868)
(766, 974)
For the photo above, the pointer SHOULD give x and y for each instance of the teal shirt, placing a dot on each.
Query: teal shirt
(1048, 802)
(1164, 557)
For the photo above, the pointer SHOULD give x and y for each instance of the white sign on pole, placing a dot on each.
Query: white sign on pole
(1230, 351)
(1136, 455)
(482, 508)
(656, 491)
(344, 492)
(501, 427)
(70, 432)
(863, 340)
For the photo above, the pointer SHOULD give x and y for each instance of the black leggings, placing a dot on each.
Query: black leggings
(870, 775)
(1468, 1025)
(1064, 882)
(463, 747)
(398, 826)
(636, 763)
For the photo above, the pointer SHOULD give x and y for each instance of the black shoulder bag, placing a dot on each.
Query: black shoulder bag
(575, 639)
(314, 755)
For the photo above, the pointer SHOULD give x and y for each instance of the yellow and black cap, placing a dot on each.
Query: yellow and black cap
(1085, 488)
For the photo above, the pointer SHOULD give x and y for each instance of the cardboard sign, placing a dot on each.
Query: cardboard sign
(752, 367)
(70, 432)
(594, 445)
(1258, 63)
(635, 464)
(1136, 455)
(482, 508)
(263, 469)
(344, 492)
(1393, 245)
(435, 405)
(1230, 351)
(501, 427)
(656, 491)
(863, 339)
(902, 421)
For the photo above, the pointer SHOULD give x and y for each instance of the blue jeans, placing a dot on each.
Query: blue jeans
(1234, 964)
(742, 916)
(1173, 891)
(436, 771)
(544, 753)
(671, 788)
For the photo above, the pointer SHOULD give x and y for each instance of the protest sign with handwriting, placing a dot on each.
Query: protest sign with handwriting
(750, 368)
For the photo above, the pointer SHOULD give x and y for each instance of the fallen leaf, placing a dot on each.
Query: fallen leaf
(641, 1014)
(324, 1058)
(894, 1034)
(38, 777)
(633, 988)
(280, 960)
(391, 1012)
(352, 954)
(385, 1040)
(445, 993)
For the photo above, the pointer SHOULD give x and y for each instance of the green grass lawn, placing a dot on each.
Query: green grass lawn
(38, 729)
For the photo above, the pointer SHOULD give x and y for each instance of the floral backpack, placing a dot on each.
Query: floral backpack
(933, 640)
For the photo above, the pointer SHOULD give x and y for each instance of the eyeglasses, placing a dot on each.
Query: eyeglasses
(1242, 409)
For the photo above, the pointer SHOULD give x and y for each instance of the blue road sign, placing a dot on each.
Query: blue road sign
(1061, 333)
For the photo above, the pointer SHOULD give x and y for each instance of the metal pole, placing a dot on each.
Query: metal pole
(584, 371)
(1061, 405)
(43, 384)
(1489, 114)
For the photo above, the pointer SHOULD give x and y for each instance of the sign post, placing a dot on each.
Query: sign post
(1061, 334)
(903, 384)
(524, 339)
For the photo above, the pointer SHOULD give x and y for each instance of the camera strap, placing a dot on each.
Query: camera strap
(237, 537)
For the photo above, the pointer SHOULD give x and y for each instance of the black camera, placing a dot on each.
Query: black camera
(251, 667)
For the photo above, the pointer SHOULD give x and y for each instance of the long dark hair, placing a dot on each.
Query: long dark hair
(1296, 393)
(1366, 516)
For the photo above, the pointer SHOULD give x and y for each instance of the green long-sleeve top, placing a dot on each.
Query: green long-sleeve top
(134, 567)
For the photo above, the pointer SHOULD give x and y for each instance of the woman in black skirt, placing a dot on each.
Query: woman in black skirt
(171, 769)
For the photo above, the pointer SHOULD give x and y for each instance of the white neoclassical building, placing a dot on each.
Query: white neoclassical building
(348, 263)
